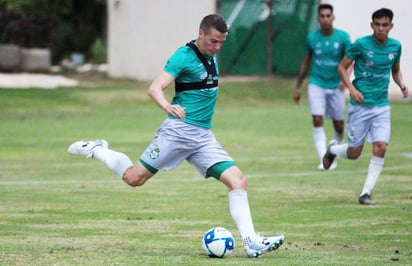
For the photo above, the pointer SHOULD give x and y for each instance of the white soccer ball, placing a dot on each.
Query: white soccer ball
(218, 242)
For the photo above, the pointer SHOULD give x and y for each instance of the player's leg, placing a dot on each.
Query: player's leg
(357, 129)
(99, 149)
(138, 174)
(255, 245)
(335, 109)
(317, 103)
(379, 135)
(338, 126)
(211, 160)
(133, 175)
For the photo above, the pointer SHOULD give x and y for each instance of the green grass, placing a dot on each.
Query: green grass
(57, 209)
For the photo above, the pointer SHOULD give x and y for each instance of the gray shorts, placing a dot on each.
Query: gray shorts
(176, 141)
(327, 102)
(371, 122)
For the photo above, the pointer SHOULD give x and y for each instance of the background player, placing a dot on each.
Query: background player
(325, 48)
(375, 57)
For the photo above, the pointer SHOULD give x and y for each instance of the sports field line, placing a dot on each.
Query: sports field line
(191, 178)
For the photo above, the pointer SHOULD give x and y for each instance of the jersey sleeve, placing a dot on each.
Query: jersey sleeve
(354, 50)
(175, 64)
(398, 57)
(346, 41)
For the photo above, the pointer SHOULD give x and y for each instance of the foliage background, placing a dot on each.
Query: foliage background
(63, 26)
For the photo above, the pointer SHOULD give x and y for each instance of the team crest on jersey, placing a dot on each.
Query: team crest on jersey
(154, 154)
(391, 56)
(336, 45)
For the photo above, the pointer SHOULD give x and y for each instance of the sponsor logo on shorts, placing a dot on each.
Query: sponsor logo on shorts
(154, 154)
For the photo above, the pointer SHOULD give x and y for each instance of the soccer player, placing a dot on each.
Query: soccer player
(375, 57)
(325, 48)
(185, 134)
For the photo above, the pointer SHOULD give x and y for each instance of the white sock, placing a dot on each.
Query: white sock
(338, 137)
(319, 139)
(340, 150)
(240, 211)
(116, 161)
(374, 171)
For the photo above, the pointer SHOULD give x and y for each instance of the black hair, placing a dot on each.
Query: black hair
(325, 6)
(213, 21)
(382, 13)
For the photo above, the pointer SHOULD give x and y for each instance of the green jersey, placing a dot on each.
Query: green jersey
(372, 70)
(326, 53)
(186, 67)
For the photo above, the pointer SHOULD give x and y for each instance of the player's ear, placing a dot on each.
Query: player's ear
(201, 33)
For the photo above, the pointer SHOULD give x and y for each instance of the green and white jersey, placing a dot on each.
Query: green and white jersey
(326, 52)
(186, 67)
(372, 70)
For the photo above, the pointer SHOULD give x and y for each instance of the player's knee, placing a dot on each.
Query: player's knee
(379, 149)
(133, 178)
(354, 153)
(133, 182)
(317, 121)
(239, 182)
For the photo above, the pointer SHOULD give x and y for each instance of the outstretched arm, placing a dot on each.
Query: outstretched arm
(398, 78)
(159, 84)
(344, 75)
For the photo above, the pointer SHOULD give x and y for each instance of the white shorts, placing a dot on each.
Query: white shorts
(176, 141)
(373, 122)
(328, 102)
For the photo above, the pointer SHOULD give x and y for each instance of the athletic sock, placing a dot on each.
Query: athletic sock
(319, 139)
(340, 150)
(240, 211)
(374, 171)
(338, 137)
(116, 161)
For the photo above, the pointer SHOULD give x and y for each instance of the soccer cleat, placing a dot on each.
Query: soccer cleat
(86, 147)
(365, 199)
(320, 167)
(334, 164)
(329, 158)
(262, 245)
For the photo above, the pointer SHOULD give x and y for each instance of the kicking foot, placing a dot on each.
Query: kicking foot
(86, 147)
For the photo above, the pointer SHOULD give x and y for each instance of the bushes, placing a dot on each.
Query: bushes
(26, 30)
(63, 26)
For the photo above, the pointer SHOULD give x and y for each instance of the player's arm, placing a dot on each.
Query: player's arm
(303, 71)
(349, 71)
(398, 78)
(343, 67)
(156, 92)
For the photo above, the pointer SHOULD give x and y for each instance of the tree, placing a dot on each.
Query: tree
(63, 26)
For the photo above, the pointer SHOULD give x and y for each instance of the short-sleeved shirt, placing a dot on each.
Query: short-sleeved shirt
(327, 51)
(372, 70)
(185, 66)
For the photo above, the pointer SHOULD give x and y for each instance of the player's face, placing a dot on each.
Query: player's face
(211, 42)
(325, 19)
(381, 28)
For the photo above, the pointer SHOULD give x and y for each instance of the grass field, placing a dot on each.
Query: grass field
(57, 209)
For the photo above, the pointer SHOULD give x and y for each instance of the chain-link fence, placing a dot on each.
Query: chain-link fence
(266, 36)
